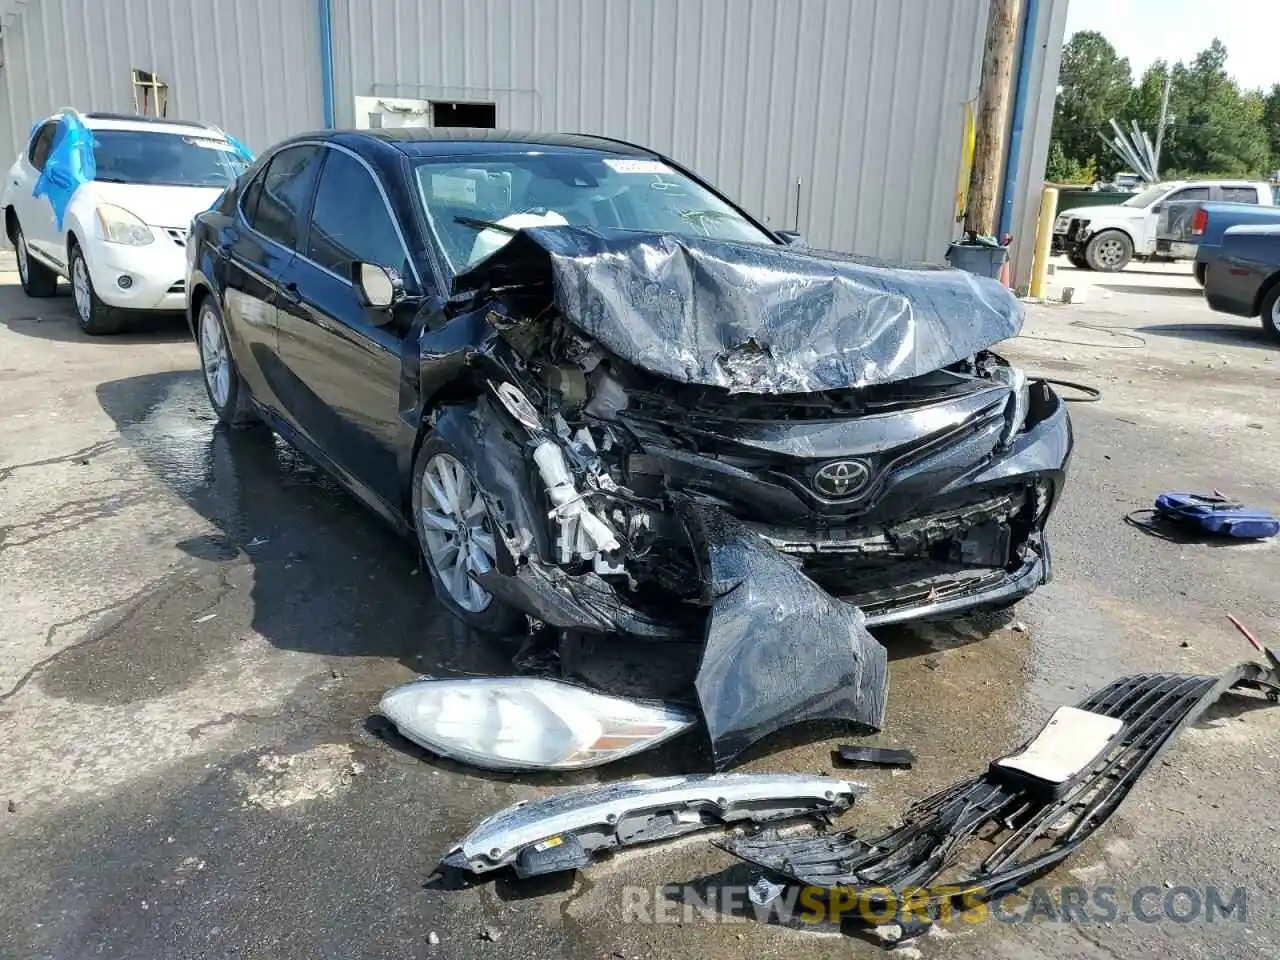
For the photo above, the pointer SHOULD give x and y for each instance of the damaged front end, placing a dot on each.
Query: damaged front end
(762, 450)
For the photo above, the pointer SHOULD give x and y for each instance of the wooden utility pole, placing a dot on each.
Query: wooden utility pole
(993, 114)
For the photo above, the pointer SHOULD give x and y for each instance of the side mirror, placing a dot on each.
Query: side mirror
(791, 238)
(380, 287)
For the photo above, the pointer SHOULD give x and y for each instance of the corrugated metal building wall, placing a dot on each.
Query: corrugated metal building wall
(251, 66)
(862, 100)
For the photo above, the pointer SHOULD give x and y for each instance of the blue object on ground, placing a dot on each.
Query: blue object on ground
(1216, 514)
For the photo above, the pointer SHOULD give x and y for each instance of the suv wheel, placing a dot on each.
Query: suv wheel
(227, 393)
(1270, 311)
(1109, 251)
(95, 317)
(1078, 261)
(37, 279)
(457, 538)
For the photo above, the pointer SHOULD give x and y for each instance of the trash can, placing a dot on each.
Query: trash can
(986, 260)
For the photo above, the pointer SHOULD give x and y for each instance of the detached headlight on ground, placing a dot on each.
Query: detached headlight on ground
(528, 723)
(121, 226)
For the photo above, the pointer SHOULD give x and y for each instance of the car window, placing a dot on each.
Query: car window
(279, 195)
(580, 189)
(42, 144)
(1240, 194)
(350, 220)
(168, 159)
(1189, 193)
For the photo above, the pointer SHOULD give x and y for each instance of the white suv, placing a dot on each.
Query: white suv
(105, 200)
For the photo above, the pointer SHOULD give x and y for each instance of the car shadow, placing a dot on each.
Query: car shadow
(1144, 289)
(1246, 333)
(328, 577)
(54, 319)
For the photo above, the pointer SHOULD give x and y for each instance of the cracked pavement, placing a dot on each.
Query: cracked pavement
(198, 625)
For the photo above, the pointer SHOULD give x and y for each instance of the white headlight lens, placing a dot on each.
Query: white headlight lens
(1016, 381)
(527, 723)
(121, 226)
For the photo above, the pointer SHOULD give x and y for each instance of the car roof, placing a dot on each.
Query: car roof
(463, 141)
(124, 121)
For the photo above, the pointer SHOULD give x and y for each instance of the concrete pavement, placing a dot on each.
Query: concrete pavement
(198, 625)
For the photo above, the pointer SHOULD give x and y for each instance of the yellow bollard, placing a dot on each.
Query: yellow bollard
(1044, 240)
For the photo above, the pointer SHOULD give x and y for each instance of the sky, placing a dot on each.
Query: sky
(1147, 30)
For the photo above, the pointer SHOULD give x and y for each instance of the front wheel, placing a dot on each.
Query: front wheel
(227, 394)
(1109, 251)
(458, 539)
(95, 317)
(1270, 310)
(37, 279)
(1078, 261)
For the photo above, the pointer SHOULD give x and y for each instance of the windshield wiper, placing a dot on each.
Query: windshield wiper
(479, 224)
(111, 180)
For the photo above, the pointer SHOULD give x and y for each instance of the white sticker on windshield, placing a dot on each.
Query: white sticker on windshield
(452, 189)
(210, 144)
(635, 165)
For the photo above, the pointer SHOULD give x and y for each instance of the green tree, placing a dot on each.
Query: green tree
(1214, 128)
(1096, 84)
(1271, 121)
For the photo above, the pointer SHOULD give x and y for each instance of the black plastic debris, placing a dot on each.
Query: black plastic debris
(990, 834)
(852, 755)
(779, 649)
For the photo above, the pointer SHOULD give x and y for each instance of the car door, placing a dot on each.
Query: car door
(35, 214)
(265, 241)
(343, 359)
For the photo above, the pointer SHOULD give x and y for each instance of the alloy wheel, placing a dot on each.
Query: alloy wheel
(217, 364)
(20, 242)
(454, 524)
(80, 288)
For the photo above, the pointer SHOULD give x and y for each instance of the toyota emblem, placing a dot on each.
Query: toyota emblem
(841, 479)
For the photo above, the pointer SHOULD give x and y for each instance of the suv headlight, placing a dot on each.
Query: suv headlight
(121, 226)
(528, 723)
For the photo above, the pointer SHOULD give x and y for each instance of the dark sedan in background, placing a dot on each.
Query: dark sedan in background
(1245, 279)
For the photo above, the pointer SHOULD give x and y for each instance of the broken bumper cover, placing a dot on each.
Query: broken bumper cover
(990, 834)
(568, 831)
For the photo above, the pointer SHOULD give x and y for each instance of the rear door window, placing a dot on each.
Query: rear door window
(1240, 194)
(350, 220)
(274, 202)
(1189, 193)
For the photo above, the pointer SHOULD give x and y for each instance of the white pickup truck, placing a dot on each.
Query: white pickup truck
(1108, 237)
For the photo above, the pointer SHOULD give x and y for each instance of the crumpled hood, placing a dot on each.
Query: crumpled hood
(754, 318)
(157, 206)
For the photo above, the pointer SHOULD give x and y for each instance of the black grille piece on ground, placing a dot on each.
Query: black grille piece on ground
(983, 837)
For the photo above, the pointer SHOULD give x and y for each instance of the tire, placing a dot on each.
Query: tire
(223, 384)
(95, 317)
(37, 279)
(464, 598)
(1109, 251)
(1270, 312)
(1079, 262)
(1201, 272)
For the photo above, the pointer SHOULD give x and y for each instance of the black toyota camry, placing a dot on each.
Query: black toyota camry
(603, 396)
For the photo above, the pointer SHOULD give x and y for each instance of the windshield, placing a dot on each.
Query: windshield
(1147, 196)
(476, 204)
(169, 159)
